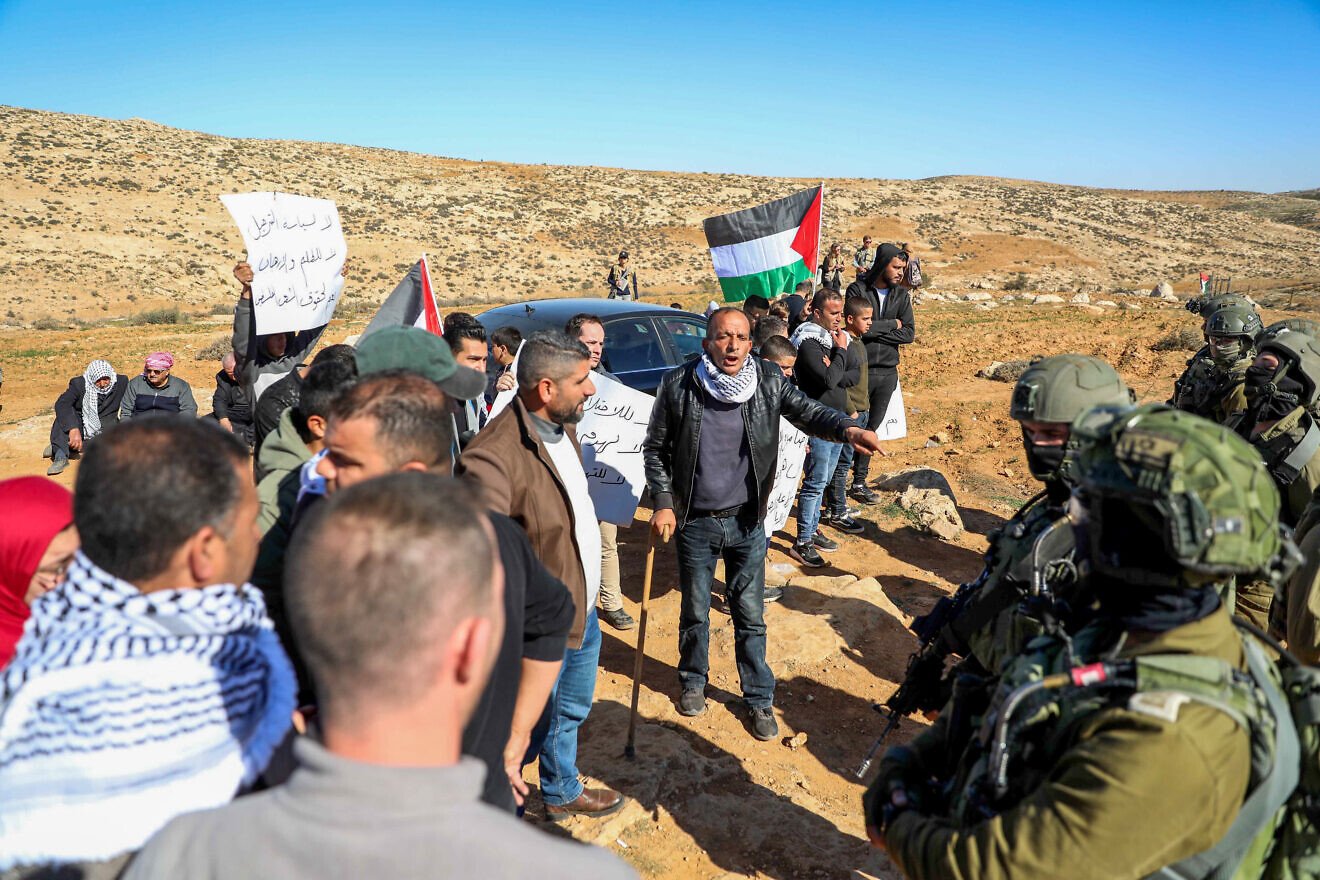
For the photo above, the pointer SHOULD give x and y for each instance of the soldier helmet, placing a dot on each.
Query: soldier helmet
(1291, 325)
(1208, 305)
(1062, 387)
(1175, 499)
(1234, 320)
(1299, 358)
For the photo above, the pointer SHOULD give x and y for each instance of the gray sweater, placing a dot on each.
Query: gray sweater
(141, 398)
(341, 818)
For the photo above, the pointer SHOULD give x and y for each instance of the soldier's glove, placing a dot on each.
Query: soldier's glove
(1194, 305)
(901, 786)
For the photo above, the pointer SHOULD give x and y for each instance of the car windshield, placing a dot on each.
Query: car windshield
(687, 335)
(631, 345)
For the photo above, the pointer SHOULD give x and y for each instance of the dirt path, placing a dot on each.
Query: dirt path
(708, 800)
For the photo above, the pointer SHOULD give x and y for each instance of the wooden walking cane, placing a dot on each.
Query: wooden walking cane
(630, 750)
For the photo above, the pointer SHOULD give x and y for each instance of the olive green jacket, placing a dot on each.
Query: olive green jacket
(1131, 791)
(1297, 494)
(1303, 602)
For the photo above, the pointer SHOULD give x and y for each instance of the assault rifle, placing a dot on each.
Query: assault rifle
(922, 681)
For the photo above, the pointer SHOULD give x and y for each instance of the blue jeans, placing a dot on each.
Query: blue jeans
(741, 544)
(819, 470)
(570, 702)
(836, 493)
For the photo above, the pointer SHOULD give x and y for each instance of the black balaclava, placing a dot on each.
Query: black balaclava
(883, 257)
(1272, 394)
(1046, 465)
(1122, 538)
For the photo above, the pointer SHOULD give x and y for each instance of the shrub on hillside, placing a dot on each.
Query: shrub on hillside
(215, 349)
(1182, 339)
(171, 315)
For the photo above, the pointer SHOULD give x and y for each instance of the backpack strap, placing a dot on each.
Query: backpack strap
(1260, 811)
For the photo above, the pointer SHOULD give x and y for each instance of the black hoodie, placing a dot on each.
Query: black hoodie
(885, 336)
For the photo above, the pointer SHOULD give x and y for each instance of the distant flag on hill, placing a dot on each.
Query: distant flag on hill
(412, 304)
(768, 249)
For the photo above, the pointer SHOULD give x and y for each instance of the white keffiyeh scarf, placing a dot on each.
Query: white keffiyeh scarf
(91, 413)
(122, 710)
(737, 388)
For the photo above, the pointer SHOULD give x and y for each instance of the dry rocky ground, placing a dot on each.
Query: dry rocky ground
(99, 211)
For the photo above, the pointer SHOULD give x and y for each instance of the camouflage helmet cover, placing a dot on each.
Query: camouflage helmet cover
(1302, 354)
(1062, 387)
(1234, 320)
(1205, 489)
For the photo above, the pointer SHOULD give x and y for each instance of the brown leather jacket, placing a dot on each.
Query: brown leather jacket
(508, 463)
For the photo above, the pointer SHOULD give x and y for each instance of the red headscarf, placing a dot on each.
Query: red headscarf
(33, 510)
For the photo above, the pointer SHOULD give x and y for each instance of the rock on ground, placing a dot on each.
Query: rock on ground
(917, 477)
(934, 510)
(1004, 371)
(976, 297)
(1080, 298)
(1045, 298)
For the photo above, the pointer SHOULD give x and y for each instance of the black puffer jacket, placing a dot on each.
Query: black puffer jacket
(672, 437)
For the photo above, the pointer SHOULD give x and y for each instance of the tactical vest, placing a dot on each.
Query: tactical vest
(1041, 699)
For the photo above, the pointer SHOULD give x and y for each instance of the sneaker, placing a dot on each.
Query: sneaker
(847, 525)
(48, 452)
(618, 618)
(764, 726)
(860, 492)
(692, 702)
(824, 543)
(57, 467)
(773, 594)
(806, 555)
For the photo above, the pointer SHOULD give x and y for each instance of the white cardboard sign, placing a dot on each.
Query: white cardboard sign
(611, 432)
(788, 471)
(894, 425)
(296, 247)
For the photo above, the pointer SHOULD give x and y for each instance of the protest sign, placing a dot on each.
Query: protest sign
(296, 247)
(611, 432)
(788, 470)
(894, 424)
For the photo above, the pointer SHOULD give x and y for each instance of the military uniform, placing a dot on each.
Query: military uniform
(1129, 747)
(1212, 391)
(1212, 384)
(863, 259)
(1116, 792)
(989, 620)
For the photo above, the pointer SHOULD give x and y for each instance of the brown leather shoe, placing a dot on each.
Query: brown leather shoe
(592, 803)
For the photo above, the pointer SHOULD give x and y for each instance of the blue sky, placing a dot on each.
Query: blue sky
(1167, 95)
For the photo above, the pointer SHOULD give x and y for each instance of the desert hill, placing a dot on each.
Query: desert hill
(106, 216)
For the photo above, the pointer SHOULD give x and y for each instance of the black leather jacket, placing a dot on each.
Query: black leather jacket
(670, 449)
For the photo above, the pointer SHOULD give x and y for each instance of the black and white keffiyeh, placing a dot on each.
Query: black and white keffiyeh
(91, 413)
(812, 330)
(122, 710)
(737, 388)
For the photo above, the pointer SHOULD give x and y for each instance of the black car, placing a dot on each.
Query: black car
(642, 341)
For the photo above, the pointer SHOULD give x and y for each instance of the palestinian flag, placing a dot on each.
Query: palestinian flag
(411, 304)
(768, 249)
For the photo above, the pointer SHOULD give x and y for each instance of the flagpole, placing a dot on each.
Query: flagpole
(820, 230)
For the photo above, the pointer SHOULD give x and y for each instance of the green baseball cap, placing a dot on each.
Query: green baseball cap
(415, 349)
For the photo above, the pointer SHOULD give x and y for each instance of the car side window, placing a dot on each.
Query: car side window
(632, 344)
(686, 335)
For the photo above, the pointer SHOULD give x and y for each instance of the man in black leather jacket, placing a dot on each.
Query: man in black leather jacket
(711, 455)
